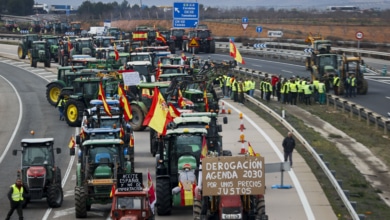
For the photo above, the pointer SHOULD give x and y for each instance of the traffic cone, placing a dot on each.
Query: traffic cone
(223, 108)
(229, 111)
(242, 139)
(242, 127)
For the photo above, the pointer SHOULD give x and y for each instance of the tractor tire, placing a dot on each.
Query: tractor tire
(56, 59)
(55, 195)
(71, 111)
(363, 89)
(212, 46)
(138, 118)
(52, 93)
(260, 208)
(47, 63)
(153, 142)
(34, 63)
(196, 50)
(164, 196)
(80, 202)
(21, 54)
(172, 48)
(197, 209)
(185, 46)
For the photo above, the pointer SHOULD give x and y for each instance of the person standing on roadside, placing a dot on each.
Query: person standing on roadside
(288, 147)
(16, 196)
(61, 106)
(336, 84)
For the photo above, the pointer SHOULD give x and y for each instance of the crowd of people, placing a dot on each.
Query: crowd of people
(291, 90)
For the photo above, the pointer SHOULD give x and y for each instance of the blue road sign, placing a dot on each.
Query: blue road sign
(244, 20)
(259, 29)
(186, 10)
(184, 23)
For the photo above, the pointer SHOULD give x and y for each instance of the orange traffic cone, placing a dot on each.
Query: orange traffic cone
(243, 150)
(223, 108)
(242, 127)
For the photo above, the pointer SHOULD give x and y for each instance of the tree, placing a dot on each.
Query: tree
(18, 7)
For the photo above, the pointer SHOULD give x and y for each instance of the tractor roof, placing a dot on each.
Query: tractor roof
(101, 130)
(100, 102)
(198, 114)
(179, 131)
(151, 85)
(192, 120)
(48, 141)
(70, 67)
(139, 63)
(103, 142)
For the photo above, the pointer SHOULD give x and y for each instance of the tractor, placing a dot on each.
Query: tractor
(82, 92)
(115, 32)
(11, 25)
(99, 163)
(39, 172)
(131, 205)
(204, 40)
(26, 44)
(76, 27)
(84, 46)
(195, 120)
(36, 26)
(179, 37)
(39, 52)
(97, 124)
(349, 66)
(65, 77)
(53, 42)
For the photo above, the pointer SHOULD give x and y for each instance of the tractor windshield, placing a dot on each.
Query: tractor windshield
(203, 34)
(102, 154)
(178, 33)
(103, 135)
(185, 145)
(130, 203)
(52, 41)
(36, 156)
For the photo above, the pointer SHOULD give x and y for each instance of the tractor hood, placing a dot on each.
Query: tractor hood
(36, 171)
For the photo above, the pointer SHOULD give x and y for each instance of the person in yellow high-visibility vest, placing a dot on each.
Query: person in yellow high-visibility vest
(16, 195)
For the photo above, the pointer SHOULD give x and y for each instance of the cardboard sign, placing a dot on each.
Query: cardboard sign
(131, 78)
(129, 182)
(238, 175)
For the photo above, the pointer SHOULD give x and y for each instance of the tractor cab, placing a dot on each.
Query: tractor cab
(131, 205)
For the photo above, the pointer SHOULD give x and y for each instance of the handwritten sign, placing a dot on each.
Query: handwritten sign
(129, 182)
(238, 175)
(131, 78)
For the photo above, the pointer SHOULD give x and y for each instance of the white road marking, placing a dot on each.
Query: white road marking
(286, 71)
(297, 184)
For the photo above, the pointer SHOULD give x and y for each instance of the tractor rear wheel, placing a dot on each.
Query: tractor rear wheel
(55, 196)
(212, 46)
(364, 87)
(80, 202)
(53, 92)
(260, 207)
(71, 112)
(21, 55)
(34, 62)
(138, 118)
(164, 196)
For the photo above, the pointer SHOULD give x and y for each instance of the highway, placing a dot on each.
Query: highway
(36, 114)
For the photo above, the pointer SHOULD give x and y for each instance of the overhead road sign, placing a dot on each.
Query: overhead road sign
(275, 33)
(184, 23)
(185, 14)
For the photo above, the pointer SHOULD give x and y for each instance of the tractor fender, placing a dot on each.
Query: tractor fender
(78, 174)
(141, 105)
(62, 83)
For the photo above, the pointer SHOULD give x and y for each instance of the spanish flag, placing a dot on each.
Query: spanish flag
(102, 97)
(158, 72)
(235, 53)
(112, 191)
(72, 142)
(140, 35)
(124, 103)
(206, 101)
(173, 111)
(158, 116)
(116, 53)
(160, 37)
(187, 194)
(204, 151)
(180, 99)
(250, 150)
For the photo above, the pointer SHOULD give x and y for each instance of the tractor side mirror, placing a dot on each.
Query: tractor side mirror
(72, 151)
(58, 150)
(225, 120)
(14, 152)
(219, 127)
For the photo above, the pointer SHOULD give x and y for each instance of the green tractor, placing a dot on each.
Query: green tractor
(53, 42)
(84, 46)
(39, 172)
(82, 92)
(178, 150)
(26, 44)
(65, 77)
(100, 161)
(206, 120)
(39, 52)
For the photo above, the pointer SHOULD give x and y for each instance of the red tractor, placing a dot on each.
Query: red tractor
(11, 25)
(131, 205)
(179, 37)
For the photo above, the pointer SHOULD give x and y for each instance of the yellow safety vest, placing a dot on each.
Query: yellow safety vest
(234, 88)
(228, 81)
(321, 87)
(293, 87)
(17, 195)
(307, 89)
(253, 84)
(336, 81)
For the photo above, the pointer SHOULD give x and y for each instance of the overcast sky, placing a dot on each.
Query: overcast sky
(235, 3)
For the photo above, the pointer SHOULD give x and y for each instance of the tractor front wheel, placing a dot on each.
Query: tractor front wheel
(164, 196)
(53, 92)
(197, 209)
(55, 195)
(21, 54)
(71, 111)
(80, 202)
(138, 118)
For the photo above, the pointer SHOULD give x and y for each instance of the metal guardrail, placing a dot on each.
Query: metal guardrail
(315, 155)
